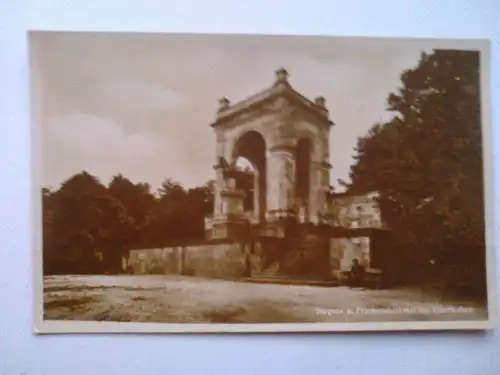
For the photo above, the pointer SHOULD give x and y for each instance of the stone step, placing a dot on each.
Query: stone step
(265, 275)
(267, 272)
(270, 271)
(288, 281)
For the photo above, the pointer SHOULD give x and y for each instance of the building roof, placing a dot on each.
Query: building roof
(280, 88)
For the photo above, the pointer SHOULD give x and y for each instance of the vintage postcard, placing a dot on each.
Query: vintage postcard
(251, 183)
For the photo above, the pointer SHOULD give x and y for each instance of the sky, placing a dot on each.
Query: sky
(141, 104)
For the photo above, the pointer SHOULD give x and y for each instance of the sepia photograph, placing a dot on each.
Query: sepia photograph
(260, 183)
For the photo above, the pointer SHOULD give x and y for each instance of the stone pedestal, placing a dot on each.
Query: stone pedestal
(228, 228)
(229, 220)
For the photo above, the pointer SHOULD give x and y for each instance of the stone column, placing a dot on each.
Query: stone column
(256, 194)
(220, 164)
(280, 178)
(313, 192)
(324, 187)
(219, 186)
(320, 185)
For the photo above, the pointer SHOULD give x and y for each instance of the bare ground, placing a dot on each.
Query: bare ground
(177, 299)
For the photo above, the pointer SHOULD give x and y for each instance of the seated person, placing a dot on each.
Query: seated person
(356, 273)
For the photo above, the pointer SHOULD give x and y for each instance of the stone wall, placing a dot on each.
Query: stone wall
(306, 257)
(156, 261)
(223, 260)
(344, 250)
(231, 260)
(218, 260)
(356, 211)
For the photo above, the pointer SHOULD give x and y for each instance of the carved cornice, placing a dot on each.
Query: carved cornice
(318, 112)
(257, 102)
(260, 113)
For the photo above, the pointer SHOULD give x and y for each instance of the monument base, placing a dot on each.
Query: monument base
(228, 228)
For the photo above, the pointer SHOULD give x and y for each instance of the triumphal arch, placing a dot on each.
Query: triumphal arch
(285, 137)
(277, 217)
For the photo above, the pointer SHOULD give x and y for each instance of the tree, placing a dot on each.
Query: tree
(48, 229)
(139, 203)
(115, 231)
(427, 161)
(83, 222)
(201, 201)
(166, 225)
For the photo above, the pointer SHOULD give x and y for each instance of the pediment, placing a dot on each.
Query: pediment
(280, 99)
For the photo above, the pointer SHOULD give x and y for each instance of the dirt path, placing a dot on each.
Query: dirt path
(173, 299)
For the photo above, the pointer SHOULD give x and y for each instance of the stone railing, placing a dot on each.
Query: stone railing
(244, 216)
(328, 219)
(361, 222)
(280, 214)
(343, 218)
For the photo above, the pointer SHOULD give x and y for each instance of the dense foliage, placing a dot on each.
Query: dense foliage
(427, 164)
(88, 227)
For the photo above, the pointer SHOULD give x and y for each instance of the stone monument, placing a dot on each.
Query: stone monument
(285, 137)
(289, 225)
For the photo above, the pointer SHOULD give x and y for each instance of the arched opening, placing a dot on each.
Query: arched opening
(249, 155)
(245, 181)
(303, 173)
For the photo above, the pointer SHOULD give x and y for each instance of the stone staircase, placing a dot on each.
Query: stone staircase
(285, 268)
(268, 273)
